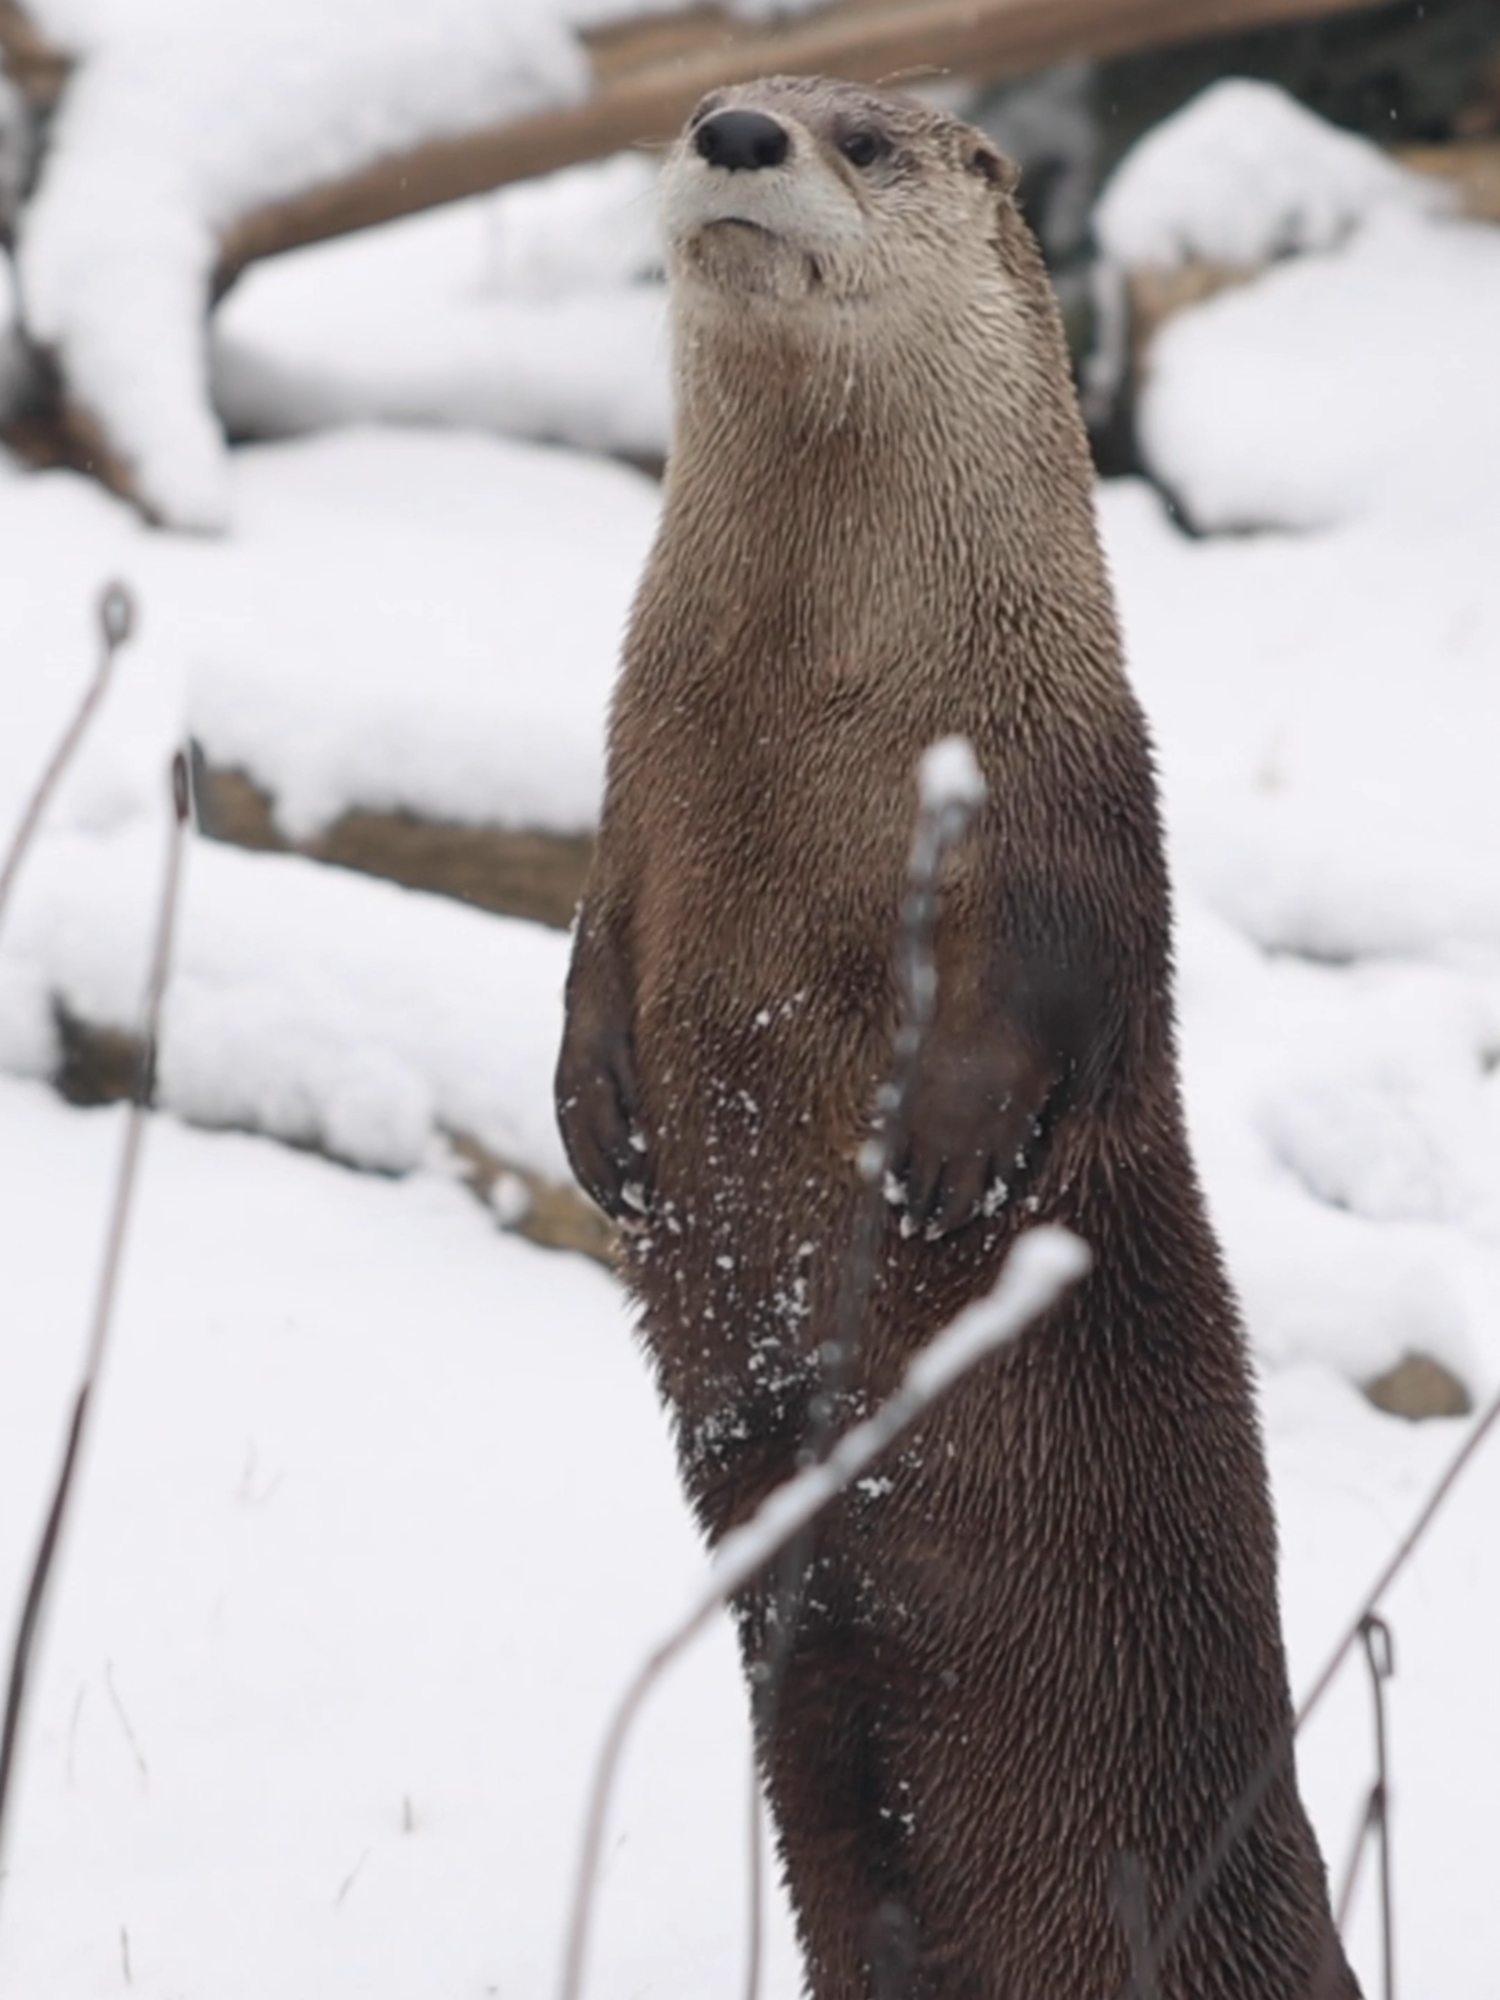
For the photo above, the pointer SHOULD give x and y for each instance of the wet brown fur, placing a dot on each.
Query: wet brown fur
(1049, 1635)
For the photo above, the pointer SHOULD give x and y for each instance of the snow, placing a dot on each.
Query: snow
(1364, 383)
(582, 227)
(949, 775)
(182, 115)
(324, 1008)
(379, 1515)
(178, 119)
(505, 570)
(1325, 709)
(528, 312)
(371, 1529)
(1243, 174)
(332, 1011)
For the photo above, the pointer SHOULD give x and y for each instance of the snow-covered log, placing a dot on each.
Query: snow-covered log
(193, 136)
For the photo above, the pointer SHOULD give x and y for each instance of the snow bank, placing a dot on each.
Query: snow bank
(520, 312)
(378, 1514)
(1326, 719)
(580, 229)
(419, 623)
(324, 1008)
(422, 625)
(1344, 1122)
(1353, 376)
(403, 622)
(1326, 712)
(183, 114)
(177, 119)
(1243, 174)
(1337, 385)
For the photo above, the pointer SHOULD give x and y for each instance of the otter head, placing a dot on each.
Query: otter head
(854, 292)
(801, 190)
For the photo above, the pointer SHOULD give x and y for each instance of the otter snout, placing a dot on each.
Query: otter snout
(742, 141)
(750, 165)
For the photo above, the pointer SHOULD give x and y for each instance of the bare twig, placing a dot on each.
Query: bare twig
(104, 1302)
(950, 791)
(1278, 1757)
(1369, 1812)
(1375, 1815)
(1380, 1655)
(1042, 1265)
(116, 624)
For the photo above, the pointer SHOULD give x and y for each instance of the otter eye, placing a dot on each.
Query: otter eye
(862, 148)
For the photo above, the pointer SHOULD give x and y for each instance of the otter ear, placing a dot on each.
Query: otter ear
(982, 159)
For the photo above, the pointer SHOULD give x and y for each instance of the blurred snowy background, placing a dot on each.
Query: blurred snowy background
(379, 1510)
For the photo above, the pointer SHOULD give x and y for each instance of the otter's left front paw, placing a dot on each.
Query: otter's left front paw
(967, 1125)
(939, 1184)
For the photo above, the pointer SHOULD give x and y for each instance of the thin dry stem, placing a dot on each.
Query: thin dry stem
(941, 823)
(1278, 1758)
(116, 623)
(121, 1209)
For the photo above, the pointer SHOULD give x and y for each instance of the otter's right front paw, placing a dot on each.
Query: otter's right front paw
(605, 1145)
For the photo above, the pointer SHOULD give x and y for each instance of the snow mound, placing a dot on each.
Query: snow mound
(1335, 385)
(379, 1513)
(517, 313)
(1342, 1123)
(450, 646)
(177, 120)
(320, 1007)
(582, 228)
(1326, 719)
(183, 115)
(425, 623)
(1296, 881)
(1243, 174)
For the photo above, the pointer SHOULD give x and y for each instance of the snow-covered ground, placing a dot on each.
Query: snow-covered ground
(379, 1512)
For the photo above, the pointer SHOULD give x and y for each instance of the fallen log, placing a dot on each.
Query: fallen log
(101, 1065)
(511, 871)
(652, 72)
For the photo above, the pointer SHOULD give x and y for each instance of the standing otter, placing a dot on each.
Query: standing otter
(1048, 1638)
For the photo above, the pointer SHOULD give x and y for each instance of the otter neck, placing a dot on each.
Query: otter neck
(910, 460)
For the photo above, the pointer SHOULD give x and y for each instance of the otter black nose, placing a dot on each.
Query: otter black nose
(742, 141)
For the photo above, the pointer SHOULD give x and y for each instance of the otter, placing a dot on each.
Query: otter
(1045, 1644)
